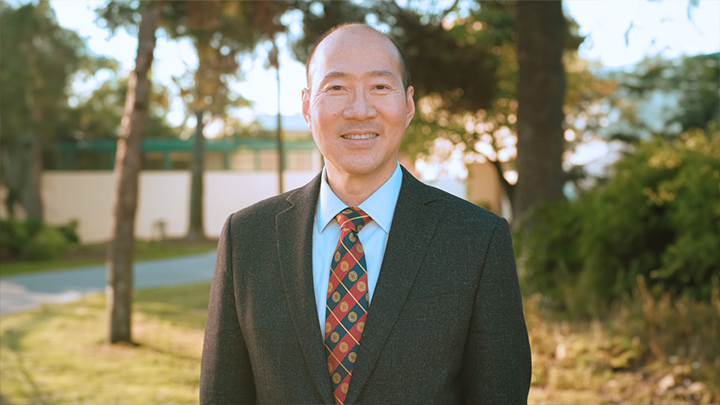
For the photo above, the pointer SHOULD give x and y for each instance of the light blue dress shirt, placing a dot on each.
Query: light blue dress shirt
(326, 233)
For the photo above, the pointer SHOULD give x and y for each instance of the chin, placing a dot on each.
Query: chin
(360, 168)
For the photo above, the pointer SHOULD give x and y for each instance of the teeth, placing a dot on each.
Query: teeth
(363, 136)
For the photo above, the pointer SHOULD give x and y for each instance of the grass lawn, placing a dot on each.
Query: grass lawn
(56, 355)
(90, 255)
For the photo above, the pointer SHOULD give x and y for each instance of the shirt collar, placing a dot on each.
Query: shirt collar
(380, 205)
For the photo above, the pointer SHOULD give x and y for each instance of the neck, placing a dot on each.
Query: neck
(354, 189)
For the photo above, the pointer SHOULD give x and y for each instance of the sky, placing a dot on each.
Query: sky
(174, 58)
(651, 27)
(664, 27)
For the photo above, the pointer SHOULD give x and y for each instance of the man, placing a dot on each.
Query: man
(365, 285)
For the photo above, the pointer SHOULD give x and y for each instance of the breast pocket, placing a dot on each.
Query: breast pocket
(431, 307)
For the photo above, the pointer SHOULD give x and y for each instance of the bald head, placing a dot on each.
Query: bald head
(343, 32)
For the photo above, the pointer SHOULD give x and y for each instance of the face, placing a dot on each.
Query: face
(357, 107)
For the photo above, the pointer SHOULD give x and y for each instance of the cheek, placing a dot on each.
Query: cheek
(325, 112)
(395, 109)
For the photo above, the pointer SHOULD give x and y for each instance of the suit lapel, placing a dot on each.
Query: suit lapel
(412, 228)
(294, 233)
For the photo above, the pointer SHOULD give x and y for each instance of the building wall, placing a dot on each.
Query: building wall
(163, 203)
(484, 189)
(164, 199)
(83, 196)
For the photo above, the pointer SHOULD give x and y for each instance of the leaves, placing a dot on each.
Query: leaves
(658, 216)
(220, 32)
(39, 58)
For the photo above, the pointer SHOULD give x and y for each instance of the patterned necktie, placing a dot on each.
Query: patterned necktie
(347, 301)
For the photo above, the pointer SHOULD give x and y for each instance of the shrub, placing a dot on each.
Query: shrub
(13, 235)
(32, 240)
(48, 243)
(658, 216)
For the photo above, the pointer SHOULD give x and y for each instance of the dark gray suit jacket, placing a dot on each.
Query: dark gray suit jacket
(445, 324)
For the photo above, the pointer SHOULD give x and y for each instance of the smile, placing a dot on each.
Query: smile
(361, 136)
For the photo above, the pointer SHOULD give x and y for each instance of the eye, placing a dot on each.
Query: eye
(335, 88)
(382, 88)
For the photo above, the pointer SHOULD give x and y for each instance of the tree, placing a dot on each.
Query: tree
(541, 91)
(274, 61)
(220, 32)
(39, 58)
(689, 86)
(99, 116)
(443, 72)
(620, 109)
(127, 168)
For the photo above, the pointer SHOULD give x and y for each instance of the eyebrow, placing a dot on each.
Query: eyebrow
(337, 74)
(334, 74)
(382, 73)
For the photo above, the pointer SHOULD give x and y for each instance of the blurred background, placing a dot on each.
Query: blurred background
(593, 127)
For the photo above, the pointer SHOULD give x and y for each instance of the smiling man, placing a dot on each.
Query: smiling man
(365, 285)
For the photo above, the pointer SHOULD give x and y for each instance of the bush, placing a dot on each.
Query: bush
(48, 243)
(32, 240)
(658, 216)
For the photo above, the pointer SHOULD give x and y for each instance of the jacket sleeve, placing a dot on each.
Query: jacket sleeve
(226, 376)
(497, 364)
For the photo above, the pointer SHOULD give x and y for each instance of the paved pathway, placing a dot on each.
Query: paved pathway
(24, 292)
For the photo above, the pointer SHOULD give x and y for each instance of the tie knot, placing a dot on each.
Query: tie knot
(352, 218)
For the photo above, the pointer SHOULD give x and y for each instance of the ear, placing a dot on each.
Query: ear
(410, 105)
(306, 107)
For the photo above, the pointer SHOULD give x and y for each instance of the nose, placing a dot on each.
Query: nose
(360, 107)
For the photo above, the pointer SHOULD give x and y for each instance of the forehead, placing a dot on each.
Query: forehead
(355, 51)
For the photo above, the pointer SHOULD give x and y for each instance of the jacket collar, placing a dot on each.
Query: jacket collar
(293, 227)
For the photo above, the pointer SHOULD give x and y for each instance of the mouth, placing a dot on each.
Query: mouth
(359, 136)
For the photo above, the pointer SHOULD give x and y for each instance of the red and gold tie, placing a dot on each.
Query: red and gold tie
(347, 301)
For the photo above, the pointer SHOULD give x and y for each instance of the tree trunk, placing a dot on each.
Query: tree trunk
(33, 197)
(275, 62)
(127, 169)
(278, 137)
(16, 159)
(195, 231)
(541, 92)
(32, 194)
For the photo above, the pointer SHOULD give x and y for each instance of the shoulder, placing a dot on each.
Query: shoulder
(263, 213)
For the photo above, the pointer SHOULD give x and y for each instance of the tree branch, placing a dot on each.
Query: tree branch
(449, 9)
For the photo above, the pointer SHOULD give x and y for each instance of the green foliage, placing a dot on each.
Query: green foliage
(48, 243)
(32, 240)
(220, 32)
(38, 60)
(658, 216)
(485, 44)
(659, 96)
(99, 116)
